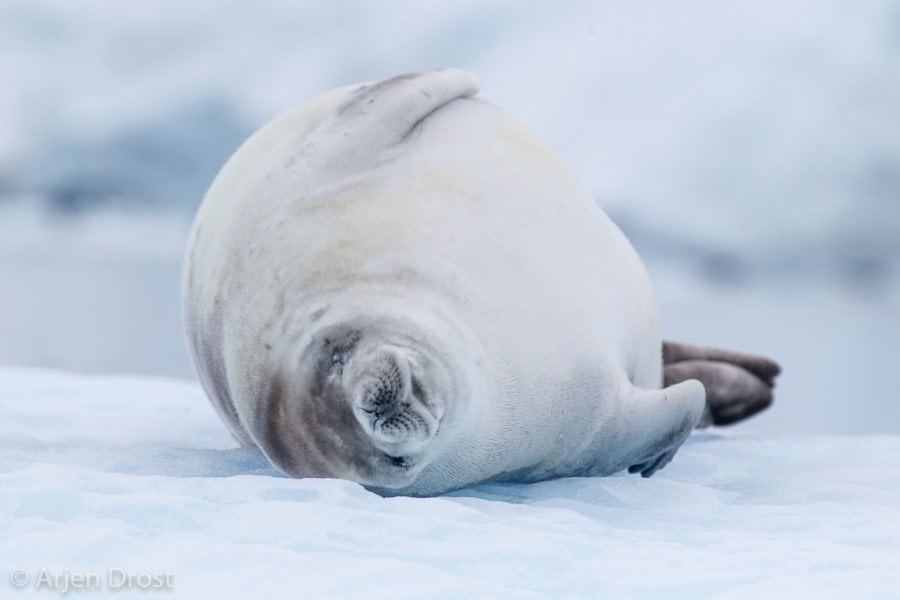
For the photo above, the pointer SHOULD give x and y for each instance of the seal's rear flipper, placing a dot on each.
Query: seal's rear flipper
(656, 423)
(737, 385)
(763, 368)
(732, 393)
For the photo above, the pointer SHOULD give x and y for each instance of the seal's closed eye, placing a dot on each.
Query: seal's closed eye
(335, 352)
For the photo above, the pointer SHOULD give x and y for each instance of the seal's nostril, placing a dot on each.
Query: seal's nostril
(417, 390)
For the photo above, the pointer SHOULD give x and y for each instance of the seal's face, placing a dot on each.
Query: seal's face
(355, 403)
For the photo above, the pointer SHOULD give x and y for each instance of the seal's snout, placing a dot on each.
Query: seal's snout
(382, 391)
(390, 401)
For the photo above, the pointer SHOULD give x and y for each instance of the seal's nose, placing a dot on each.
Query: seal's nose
(378, 381)
(383, 392)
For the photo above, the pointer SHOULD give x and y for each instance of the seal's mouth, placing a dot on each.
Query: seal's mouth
(400, 471)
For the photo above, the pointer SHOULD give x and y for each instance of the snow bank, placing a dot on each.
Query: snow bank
(138, 476)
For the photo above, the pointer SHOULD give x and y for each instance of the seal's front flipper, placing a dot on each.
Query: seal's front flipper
(656, 423)
(737, 385)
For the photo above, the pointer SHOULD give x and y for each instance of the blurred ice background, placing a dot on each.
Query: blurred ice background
(751, 152)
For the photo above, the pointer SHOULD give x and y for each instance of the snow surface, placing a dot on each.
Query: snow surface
(138, 474)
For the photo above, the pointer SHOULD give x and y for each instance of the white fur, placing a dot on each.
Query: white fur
(468, 229)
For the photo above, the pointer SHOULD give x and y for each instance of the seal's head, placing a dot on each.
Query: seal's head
(366, 401)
